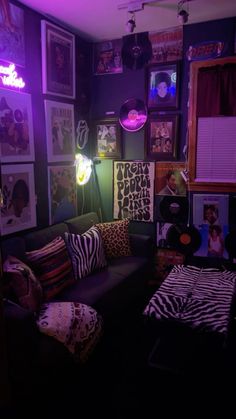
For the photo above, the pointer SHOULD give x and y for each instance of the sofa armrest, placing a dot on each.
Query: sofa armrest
(142, 245)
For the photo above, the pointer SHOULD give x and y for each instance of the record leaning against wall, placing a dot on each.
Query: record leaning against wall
(133, 115)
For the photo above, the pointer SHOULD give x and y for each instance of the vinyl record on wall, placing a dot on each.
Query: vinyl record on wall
(133, 114)
(136, 50)
(185, 239)
(172, 209)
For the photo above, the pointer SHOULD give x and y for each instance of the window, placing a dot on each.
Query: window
(212, 125)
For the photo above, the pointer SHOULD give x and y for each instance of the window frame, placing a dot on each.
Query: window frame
(193, 184)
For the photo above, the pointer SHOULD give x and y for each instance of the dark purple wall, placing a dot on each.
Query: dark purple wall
(110, 91)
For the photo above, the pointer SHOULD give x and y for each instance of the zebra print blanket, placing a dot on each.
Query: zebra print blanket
(199, 298)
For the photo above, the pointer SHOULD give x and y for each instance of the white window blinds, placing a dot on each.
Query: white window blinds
(216, 149)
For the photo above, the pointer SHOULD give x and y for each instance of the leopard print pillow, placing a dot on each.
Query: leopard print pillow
(115, 237)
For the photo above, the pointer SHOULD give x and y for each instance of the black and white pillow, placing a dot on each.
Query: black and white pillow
(86, 252)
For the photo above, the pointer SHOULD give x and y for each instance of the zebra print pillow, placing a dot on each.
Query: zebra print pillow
(86, 252)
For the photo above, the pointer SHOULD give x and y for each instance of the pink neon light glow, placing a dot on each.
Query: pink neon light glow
(10, 77)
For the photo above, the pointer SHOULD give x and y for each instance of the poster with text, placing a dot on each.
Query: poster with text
(133, 190)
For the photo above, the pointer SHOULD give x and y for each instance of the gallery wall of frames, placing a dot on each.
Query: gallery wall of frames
(43, 100)
(133, 122)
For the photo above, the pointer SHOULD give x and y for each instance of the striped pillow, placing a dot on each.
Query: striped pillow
(52, 266)
(86, 252)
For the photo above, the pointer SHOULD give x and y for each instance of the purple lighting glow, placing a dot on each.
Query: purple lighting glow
(10, 77)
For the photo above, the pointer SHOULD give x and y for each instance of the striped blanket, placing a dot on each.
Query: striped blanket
(199, 298)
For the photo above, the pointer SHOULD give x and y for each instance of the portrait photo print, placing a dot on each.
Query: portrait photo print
(162, 86)
(19, 203)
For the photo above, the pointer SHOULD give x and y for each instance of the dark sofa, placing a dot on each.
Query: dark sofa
(116, 292)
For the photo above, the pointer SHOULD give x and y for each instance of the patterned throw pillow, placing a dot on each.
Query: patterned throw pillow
(52, 266)
(86, 252)
(115, 238)
(23, 282)
(76, 325)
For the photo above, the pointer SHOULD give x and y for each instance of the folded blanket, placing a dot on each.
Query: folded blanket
(76, 325)
(199, 298)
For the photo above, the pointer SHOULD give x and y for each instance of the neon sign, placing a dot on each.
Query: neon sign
(10, 77)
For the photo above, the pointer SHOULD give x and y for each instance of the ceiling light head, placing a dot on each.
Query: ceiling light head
(182, 13)
(131, 25)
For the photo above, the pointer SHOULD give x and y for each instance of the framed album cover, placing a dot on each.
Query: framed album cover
(58, 60)
(169, 179)
(162, 86)
(133, 195)
(161, 137)
(18, 211)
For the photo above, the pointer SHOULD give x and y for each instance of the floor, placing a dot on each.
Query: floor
(122, 381)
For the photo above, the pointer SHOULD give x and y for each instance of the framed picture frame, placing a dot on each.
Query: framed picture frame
(108, 138)
(12, 35)
(18, 211)
(58, 60)
(60, 131)
(62, 193)
(161, 137)
(162, 81)
(169, 179)
(107, 57)
(16, 134)
(133, 190)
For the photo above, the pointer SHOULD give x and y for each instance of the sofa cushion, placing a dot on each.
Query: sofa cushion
(52, 265)
(23, 282)
(115, 238)
(86, 252)
(76, 325)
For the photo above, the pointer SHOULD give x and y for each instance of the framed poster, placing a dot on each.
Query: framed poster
(161, 137)
(162, 86)
(62, 193)
(169, 179)
(108, 138)
(16, 127)
(107, 57)
(60, 131)
(12, 36)
(18, 211)
(133, 190)
(58, 60)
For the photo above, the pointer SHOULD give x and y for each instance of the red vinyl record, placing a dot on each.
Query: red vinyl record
(133, 115)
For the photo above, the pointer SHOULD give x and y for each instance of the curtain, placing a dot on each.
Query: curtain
(216, 91)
